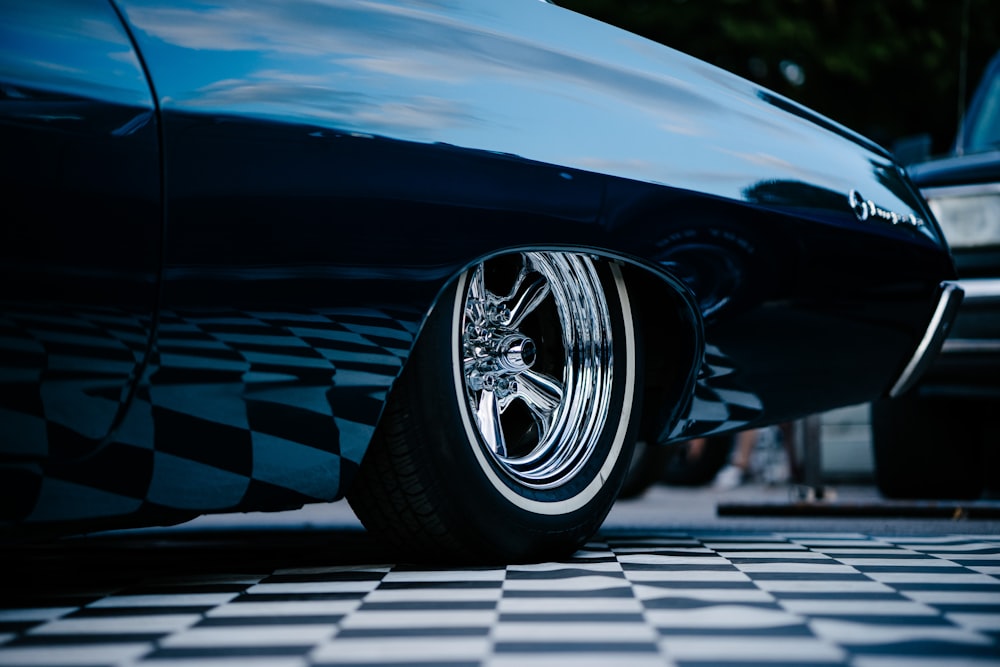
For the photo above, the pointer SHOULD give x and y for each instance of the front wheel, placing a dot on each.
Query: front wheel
(508, 435)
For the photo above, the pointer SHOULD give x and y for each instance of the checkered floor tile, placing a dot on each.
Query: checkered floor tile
(629, 599)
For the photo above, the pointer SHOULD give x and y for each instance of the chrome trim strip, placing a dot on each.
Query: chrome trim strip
(949, 299)
(970, 346)
(980, 290)
(974, 190)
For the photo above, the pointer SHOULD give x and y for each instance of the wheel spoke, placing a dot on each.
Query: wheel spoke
(542, 394)
(530, 290)
(477, 285)
(488, 413)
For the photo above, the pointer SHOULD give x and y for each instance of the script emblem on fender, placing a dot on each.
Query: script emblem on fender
(865, 210)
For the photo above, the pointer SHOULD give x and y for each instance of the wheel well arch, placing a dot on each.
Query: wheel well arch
(670, 328)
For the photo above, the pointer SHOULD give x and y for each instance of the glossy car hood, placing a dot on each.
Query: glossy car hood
(519, 77)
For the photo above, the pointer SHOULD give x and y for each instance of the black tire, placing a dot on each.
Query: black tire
(645, 470)
(927, 448)
(684, 469)
(555, 381)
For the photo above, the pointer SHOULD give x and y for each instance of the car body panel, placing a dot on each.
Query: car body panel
(520, 79)
(80, 238)
(329, 168)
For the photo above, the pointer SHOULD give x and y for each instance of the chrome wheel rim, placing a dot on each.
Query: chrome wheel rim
(538, 367)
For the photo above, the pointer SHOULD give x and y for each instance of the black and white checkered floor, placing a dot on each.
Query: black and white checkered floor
(628, 599)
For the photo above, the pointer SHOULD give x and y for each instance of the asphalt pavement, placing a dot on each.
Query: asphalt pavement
(756, 506)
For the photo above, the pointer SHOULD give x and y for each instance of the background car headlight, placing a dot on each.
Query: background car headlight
(969, 214)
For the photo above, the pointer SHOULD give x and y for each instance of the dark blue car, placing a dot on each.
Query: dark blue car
(446, 258)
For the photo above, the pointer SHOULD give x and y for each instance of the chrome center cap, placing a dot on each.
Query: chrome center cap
(516, 353)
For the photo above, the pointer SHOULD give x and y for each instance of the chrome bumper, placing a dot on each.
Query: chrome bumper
(949, 299)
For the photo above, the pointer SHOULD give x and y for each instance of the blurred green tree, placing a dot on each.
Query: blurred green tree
(887, 69)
